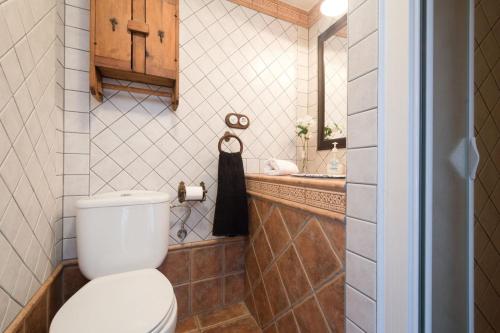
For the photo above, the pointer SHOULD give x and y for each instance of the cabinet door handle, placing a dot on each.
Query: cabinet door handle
(114, 23)
(161, 34)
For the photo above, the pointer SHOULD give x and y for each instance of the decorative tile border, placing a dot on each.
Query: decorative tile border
(323, 199)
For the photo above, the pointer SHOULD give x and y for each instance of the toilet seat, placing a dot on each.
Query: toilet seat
(134, 302)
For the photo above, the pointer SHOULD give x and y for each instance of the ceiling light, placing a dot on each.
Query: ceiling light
(333, 7)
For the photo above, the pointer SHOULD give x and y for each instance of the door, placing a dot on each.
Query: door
(448, 191)
(113, 41)
(161, 43)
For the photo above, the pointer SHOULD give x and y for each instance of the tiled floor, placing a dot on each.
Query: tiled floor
(232, 319)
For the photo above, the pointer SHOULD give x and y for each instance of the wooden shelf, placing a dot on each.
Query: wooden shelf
(137, 41)
(137, 90)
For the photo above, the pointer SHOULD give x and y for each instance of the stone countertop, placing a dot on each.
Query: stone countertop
(329, 184)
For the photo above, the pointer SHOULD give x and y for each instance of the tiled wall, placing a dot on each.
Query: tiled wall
(361, 212)
(295, 269)
(318, 160)
(233, 59)
(37, 316)
(206, 277)
(487, 184)
(31, 60)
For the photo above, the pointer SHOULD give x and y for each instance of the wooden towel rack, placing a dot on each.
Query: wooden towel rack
(137, 90)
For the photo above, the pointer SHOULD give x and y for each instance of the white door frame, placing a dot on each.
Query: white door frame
(398, 165)
(398, 192)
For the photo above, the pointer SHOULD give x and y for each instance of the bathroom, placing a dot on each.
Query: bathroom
(271, 154)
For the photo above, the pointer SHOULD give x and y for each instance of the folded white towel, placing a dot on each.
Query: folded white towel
(275, 167)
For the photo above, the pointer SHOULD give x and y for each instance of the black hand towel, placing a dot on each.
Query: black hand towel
(231, 208)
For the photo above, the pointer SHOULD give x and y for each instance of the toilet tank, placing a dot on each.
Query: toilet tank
(122, 231)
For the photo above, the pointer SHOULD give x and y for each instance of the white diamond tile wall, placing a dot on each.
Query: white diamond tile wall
(232, 59)
(318, 160)
(31, 172)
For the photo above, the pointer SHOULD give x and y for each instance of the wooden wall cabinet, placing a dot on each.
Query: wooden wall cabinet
(135, 40)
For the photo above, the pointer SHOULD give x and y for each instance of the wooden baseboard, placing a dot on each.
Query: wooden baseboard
(28, 320)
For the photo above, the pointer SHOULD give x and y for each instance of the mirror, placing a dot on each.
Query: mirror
(332, 86)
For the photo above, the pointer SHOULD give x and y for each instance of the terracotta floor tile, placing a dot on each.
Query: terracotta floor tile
(245, 325)
(182, 294)
(234, 257)
(335, 231)
(270, 329)
(262, 250)
(187, 325)
(331, 300)
(176, 266)
(234, 288)
(317, 256)
(309, 317)
(250, 303)
(287, 324)
(37, 320)
(206, 262)
(294, 219)
(252, 267)
(262, 305)
(276, 291)
(223, 315)
(293, 275)
(264, 208)
(73, 280)
(253, 218)
(206, 295)
(276, 232)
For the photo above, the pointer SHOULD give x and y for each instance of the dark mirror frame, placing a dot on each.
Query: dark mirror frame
(325, 144)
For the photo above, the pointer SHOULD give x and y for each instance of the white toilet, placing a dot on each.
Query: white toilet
(121, 238)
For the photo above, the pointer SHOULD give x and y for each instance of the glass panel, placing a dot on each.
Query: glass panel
(447, 257)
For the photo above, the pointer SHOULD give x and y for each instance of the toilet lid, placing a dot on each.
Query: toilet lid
(132, 302)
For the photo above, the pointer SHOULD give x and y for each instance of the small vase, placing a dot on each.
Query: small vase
(305, 155)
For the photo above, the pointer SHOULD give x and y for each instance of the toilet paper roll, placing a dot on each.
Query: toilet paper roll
(194, 193)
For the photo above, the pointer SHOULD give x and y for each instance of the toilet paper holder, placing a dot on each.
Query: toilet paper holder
(182, 192)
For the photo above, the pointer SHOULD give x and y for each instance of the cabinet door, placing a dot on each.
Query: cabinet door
(113, 41)
(161, 43)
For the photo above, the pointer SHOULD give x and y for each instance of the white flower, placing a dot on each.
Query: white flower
(306, 121)
(331, 129)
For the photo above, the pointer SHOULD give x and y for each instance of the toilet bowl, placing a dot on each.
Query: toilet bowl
(133, 302)
(121, 238)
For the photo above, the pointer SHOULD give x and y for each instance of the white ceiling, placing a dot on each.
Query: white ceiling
(302, 4)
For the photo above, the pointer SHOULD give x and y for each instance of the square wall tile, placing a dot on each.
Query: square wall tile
(363, 21)
(362, 165)
(362, 129)
(362, 202)
(362, 93)
(361, 310)
(362, 274)
(362, 238)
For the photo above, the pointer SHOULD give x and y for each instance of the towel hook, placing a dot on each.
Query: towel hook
(226, 137)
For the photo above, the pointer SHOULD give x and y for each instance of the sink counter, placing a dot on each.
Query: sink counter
(320, 183)
(325, 197)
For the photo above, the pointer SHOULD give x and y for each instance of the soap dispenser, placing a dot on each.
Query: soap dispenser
(335, 168)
